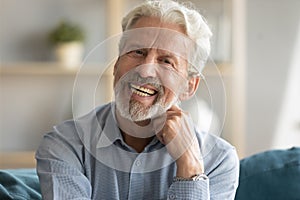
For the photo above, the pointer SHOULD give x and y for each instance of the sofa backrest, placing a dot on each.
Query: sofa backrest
(19, 184)
(272, 175)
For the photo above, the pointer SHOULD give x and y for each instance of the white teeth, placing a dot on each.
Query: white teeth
(149, 91)
(139, 93)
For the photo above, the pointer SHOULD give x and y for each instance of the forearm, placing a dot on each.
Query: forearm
(189, 165)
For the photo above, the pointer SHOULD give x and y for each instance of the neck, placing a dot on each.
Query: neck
(136, 143)
(132, 130)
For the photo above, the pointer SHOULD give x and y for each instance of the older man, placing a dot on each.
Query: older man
(143, 145)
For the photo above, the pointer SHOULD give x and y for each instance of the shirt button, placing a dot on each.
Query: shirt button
(172, 196)
(138, 163)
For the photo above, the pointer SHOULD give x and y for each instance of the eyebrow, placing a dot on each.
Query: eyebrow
(170, 54)
(135, 45)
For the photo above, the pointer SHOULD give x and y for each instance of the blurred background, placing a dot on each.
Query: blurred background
(256, 47)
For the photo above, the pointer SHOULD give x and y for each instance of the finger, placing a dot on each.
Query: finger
(174, 108)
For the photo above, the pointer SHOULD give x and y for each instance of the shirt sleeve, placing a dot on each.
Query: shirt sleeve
(224, 178)
(189, 190)
(60, 169)
(221, 184)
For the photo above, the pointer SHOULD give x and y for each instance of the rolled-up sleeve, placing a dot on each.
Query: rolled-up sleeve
(221, 184)
(189, 190)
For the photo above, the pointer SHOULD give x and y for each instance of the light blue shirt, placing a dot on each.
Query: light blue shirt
(87, 158)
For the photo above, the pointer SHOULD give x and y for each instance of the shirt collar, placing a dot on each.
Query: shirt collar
(110, 132)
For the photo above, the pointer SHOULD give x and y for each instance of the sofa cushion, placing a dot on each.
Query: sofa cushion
(272, 175)
(19, 184)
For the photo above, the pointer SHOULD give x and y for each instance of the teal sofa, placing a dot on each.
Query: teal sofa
(19, 184)
(273, 175)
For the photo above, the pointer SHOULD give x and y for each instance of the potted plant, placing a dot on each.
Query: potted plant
(68, 41)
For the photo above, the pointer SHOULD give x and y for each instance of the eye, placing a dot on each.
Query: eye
(167, 61)
(137, 53)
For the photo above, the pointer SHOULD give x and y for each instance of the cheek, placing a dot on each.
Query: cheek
(123, 66)
(119, 71)
(116, 75)
(183, 67)
(169, 95)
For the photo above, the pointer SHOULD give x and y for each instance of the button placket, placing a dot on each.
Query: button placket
(138, 163)
(136, 187)
(172, 196)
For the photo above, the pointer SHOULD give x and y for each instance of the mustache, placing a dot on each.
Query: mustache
(136, 78)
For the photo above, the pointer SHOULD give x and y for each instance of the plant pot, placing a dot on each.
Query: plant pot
(69, 54)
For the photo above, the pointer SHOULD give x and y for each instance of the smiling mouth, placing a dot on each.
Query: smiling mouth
(142, 91)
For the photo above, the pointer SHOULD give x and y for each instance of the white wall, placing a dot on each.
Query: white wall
(272, 76)
(27, 104)
(25, 26)
(32, 104)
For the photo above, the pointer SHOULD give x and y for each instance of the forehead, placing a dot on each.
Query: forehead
(152, 32)
(158, 23)
(163, 39)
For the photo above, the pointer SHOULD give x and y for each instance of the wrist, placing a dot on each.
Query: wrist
(188, 169)
(196, 177)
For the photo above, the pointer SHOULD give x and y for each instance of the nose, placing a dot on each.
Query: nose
(148, 67)
(147, 70)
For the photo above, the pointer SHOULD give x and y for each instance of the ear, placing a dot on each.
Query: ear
(193, 84)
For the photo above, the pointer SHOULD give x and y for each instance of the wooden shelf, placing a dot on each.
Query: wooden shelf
(49, 68)
(14, 160)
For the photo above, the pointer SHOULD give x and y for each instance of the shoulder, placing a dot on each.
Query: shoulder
(92, 119)
(71, 135)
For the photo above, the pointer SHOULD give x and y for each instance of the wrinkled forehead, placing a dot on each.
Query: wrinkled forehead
(157, 38)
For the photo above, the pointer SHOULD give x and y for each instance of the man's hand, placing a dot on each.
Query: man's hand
(179, 137)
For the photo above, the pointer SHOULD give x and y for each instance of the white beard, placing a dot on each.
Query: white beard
(136, 111)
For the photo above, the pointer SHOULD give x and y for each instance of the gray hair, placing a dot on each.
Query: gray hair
(184, 15)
